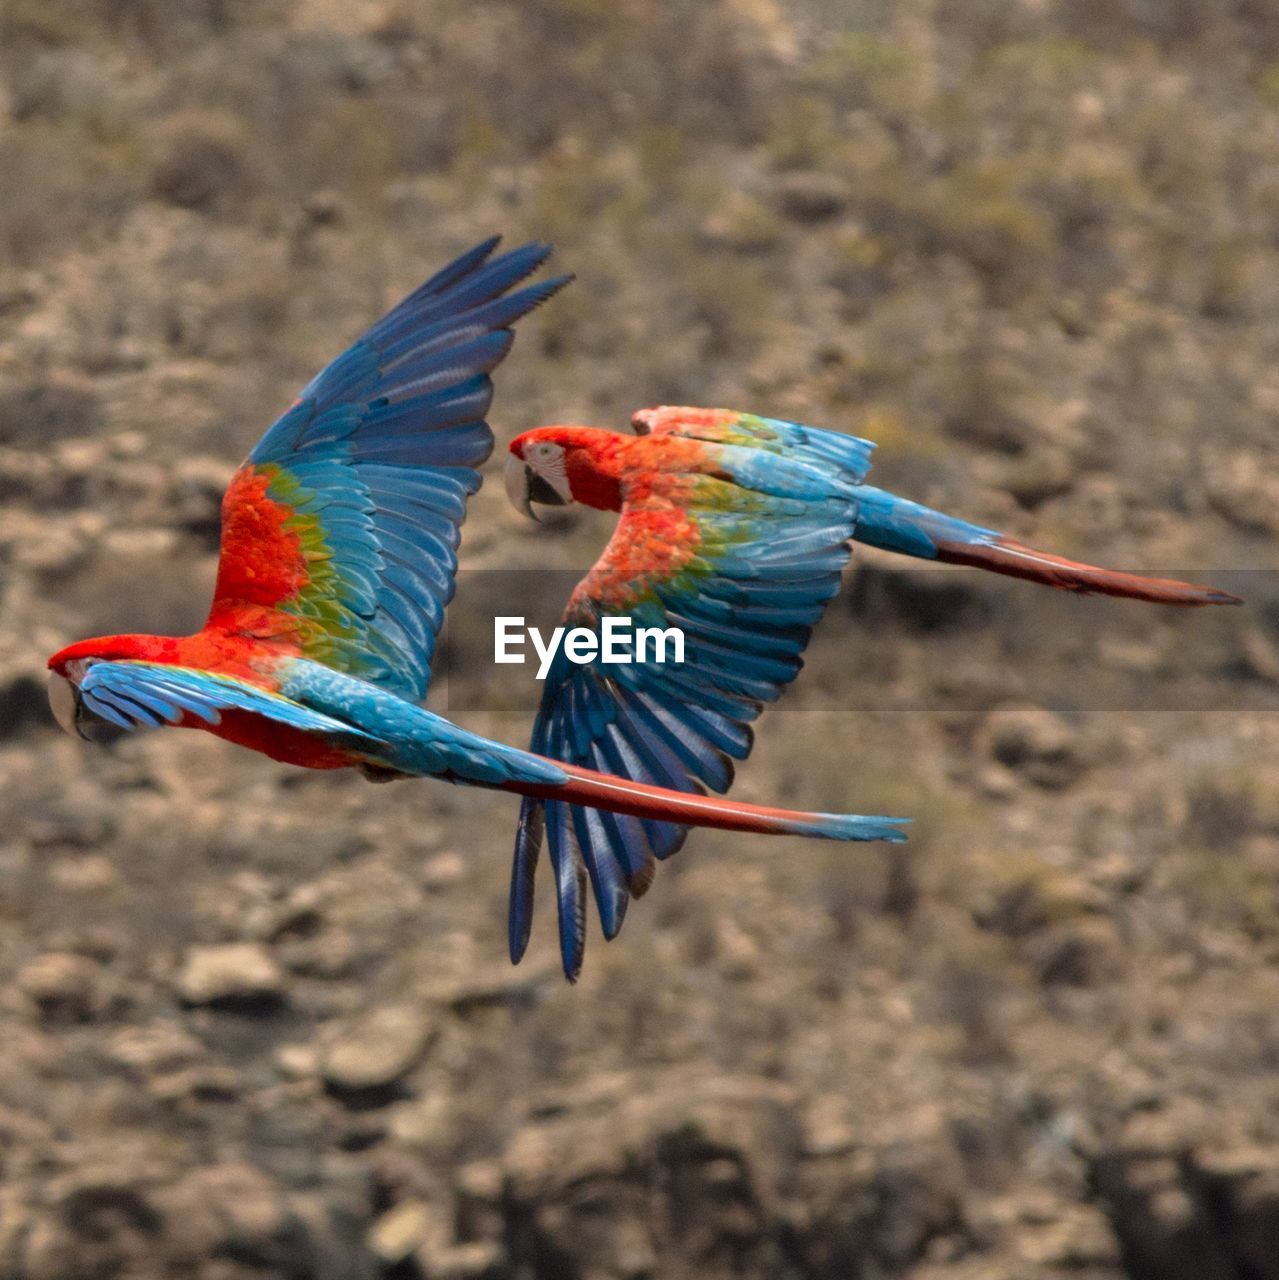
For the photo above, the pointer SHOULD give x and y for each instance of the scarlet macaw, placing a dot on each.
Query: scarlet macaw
(337, 560)
(735, 529)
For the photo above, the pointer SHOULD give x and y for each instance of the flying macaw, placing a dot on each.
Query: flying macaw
(735, 529)
(339, 535)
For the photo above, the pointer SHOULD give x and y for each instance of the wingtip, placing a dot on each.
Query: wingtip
(533, 252)
(611, 920)
(888, 829)
(573, 949)
(548, 288)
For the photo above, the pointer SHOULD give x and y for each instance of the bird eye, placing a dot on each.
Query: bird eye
(544, 452)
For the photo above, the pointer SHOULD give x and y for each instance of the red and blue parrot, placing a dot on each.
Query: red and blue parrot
(735, 529)
(338, 558)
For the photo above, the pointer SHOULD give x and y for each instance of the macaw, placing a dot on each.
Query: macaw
(735, 529)
(338, 558)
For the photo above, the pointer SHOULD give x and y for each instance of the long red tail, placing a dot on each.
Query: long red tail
(641, 800)
(1006, 555)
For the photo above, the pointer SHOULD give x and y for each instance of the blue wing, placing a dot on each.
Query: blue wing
(368, 474)
(773, 539)
(149, 695)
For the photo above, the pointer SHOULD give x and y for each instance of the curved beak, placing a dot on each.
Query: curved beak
(518, 487)
(64, 702)
(74, 717)
(525, 486)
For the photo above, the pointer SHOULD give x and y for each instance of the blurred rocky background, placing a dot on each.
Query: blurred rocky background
(258, 1025)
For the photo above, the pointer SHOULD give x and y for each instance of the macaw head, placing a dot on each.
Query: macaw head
(537, 471)
(67, 668)
(557, 466)
(68, 706)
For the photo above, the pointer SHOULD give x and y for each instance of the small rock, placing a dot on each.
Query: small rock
(61, 550)
(1038, 476)
(478, 1260)
(64, 987)
(480, 1188)
(23, 701)
(812, 196)
(423, 1122)
(742, 223)
(332, 953)
(102, 1223)
(50, 408)
(21, 290)
(199, 1084)
(70, 825)
(1076, 1238)
(1081, 953)
(444, 870)
(372, 1055)
(197, 485)
(234, 1210)
(493, 985)
(300, 915)
(401, 1231)
(298, 1061)
(155, 1049)
(995, 782)
(91, 874)
(202, 161)
(827, 1130)
(1035, 743)
(924, 600)
(1244, 491)
(236, 973)
(140, 544)
(1140, 654)
(989, 426)
(1260, 655)
(324, 208)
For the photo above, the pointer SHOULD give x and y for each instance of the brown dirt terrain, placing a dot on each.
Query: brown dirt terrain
(257, 1023)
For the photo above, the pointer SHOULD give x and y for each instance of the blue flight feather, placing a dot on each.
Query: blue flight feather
(382, 450)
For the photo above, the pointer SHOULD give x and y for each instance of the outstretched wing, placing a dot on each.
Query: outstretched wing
(339, 533)
(743, 562)
(149, 695)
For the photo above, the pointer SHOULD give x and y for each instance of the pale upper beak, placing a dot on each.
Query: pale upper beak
(525, 486)
(516, 479)
(74, 717)
(63, 702)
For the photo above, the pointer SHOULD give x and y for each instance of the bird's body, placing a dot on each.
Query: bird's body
(659, 480)
(736, 529)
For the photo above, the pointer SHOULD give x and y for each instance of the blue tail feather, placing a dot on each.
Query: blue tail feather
(897, 524)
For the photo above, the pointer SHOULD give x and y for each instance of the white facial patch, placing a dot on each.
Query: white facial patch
(547, 460)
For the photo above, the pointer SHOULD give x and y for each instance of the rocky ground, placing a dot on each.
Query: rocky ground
(260, 1024)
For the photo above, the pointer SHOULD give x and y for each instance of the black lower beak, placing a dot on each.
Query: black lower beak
(540, 491)
(91, 728)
